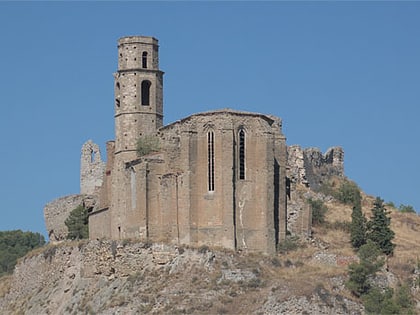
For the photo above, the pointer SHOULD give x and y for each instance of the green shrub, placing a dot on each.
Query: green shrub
(404, 299)
(290, 243)
(358, 228)
(318, 211)
(349, 193)
(390, 204)
(359, 273)
(77, 223)
(203, 249)
(377, 302)
(147, 144)
(406, 209)
(15, 244)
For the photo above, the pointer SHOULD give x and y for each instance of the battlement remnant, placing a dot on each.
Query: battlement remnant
(91, 169)
(311, 167)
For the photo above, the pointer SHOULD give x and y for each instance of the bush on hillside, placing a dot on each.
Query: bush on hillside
(406, 209)
(349, 193)
(15, 244)
(318, 211)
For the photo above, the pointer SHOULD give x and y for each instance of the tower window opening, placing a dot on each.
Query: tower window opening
(144, 60)
(241, 154)
(145, 93)
(118, 85)
(210, 162)
(117, 102)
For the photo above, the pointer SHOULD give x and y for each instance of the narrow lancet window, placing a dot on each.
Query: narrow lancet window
(210, 156)
(144, 60)
(145, 92)
(241, 154)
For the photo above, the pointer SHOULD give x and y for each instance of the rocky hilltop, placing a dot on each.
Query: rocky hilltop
(128, 277)
(135, 278)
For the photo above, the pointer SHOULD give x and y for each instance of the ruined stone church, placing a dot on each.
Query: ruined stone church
(216, 178)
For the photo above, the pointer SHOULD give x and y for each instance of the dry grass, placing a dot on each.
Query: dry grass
(5, 283)
(406, 227)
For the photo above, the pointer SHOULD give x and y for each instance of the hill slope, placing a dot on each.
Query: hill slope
(110, 277)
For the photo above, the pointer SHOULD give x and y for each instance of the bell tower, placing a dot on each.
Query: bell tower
(138, 93)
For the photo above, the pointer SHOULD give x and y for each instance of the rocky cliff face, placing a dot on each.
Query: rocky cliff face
(122, 278)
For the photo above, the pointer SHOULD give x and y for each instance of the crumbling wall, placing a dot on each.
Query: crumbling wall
(312, 168)
(92, 169)
(308, 168)
(56, 212)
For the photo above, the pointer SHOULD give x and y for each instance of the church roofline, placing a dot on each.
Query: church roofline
(269, 118)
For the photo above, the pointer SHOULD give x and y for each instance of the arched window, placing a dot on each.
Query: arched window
(144, 59)
(145, 93)
(210, 160)
(241, 154)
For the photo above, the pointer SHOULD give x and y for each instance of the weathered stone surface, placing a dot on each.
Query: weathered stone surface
(56, 212)
(118, 277)
(218, 179)
(312, 168)
(308, 168)
(321, 303)
(91, 169)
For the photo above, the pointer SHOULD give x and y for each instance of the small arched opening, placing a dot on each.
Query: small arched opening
(144, 60)
(210, 160)
(241, 153)
(145, 92)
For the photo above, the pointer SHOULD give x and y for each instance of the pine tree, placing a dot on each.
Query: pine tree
(379, 230)
(77, 223)
(358, 227)
(359, 273)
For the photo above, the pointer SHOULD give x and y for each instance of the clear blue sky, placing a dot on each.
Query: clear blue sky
(338, 74)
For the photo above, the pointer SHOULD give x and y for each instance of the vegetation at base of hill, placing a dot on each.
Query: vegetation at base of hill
(15, 244)
(318, 211)
(147, 144)
(376, 300)
(360, 273)
(388, 301)
(77, 223)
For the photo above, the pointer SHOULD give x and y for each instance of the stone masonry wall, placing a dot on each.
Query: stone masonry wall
(91, 169)
(56, 212)
(308, 168)
(311, 168)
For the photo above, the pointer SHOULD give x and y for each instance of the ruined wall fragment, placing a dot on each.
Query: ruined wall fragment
(92, 169)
